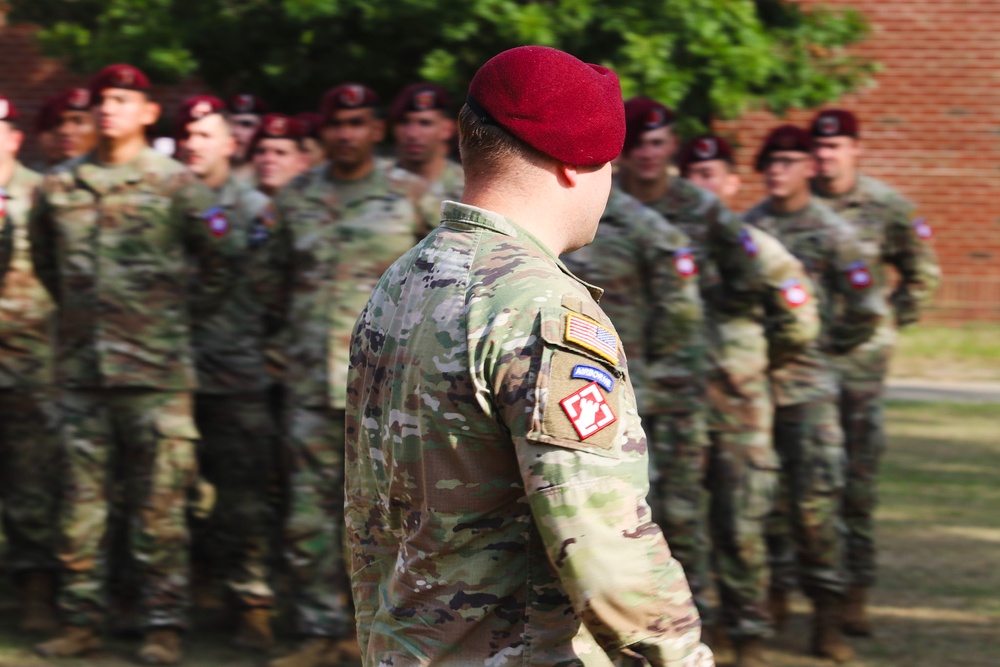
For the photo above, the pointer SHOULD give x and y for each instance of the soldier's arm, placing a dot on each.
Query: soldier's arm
(6, 246)
(849, 276)
(727, 248)
(587, 492)
(273, 286)
(908, 248)
(208, 239)
(42, 237)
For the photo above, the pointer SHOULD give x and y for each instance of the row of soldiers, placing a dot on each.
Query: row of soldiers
(183, 297)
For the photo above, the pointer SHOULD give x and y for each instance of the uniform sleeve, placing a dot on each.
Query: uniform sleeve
(572, 417)
(6, 246)
(42, 237)
(908, 248)
(208, 239)
(850, 277)
(274, 287)
(739, 269)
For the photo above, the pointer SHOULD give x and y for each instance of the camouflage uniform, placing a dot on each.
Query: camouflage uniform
(232, 408)
(112, 245)
(891, 235)
(334, 240)
(448, 187)
(742, 470)
(807, 433)
(496, 466)
(29, 437)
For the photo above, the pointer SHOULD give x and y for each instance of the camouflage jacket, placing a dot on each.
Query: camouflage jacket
(447, 188)
(651, 294)
(26, 310)
(113, 245)
(229, 343)
(496, 468)
(335, 239)
(850, 305)
(891, 235)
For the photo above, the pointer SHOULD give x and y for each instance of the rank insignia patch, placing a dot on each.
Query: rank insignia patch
(859, 275)
(684, 263)
(588, 411)
(592, 336)
(795, 294)
(217, 221)
(603, 378)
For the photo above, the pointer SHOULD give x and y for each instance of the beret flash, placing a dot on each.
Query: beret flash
(704, 148)
(121, 76)
(347, 96)
(278, 126)
(419, 97)
(195, 108)
(641, 115)
(835, 123)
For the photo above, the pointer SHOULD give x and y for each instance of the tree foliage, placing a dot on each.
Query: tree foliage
(707, 58)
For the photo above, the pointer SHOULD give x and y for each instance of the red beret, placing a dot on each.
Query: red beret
(76, 99)
(641, 115)
(195, 108)
(784, 138)
(311, 123)
(704, 148)
(835, 123)
(48, 115)
(419, 97)
(126, 77)
(567, 109)
(7, 109)
(347, 96)
(246, 103)
(278, 126)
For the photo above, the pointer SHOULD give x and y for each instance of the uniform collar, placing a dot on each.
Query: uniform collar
(101, 178)
(229, 193)
(18, 177)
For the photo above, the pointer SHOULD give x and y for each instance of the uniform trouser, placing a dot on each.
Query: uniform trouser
(150, 435)
(806, 533)
(862, 383)
(314, 530)
(30, 473)
(236, 455)
(742, 476)
(678, 450)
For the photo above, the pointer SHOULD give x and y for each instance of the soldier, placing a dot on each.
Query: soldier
(277, 152)
(423, 127)
(892, 235)
(75, 131)
(29, 438)
(807, 432)
(245, 113)
(746, 337)
(232, 410)
(312, 145)
(113, 235)
(497, 468)
(339, 227)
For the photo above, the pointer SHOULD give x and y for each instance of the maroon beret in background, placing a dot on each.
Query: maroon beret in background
(641, 115)
(836, 123)
(49, 115)
(121, 76)
(246, 103)
(347, 96)
(783, 138)
(419, 97)
(704, 148)
(7, 109)
(195, 108)
(567, 109)
(277, 126)
(311, 123)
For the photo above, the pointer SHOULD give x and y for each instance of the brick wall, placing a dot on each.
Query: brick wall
(931, 128)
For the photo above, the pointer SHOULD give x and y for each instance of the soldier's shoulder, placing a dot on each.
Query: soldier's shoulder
(299, 185)
(755, 212)
(161, 165)
(884, 194)
(404, 183)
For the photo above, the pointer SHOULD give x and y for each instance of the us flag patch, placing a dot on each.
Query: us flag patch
(590, 335)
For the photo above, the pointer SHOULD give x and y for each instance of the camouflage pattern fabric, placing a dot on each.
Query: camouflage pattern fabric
(448, 187)
(151, 435)
(497, 469)
(892, 234)
(808, 436)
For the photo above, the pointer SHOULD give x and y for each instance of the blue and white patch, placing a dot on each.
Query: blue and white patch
(591, 374)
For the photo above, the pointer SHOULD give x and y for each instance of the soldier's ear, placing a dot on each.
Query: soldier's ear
(150, 113)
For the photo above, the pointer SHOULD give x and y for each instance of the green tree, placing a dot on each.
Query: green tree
(707, 58)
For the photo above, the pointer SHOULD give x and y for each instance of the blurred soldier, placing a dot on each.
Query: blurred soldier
(339, 227)
(497, 467)
(113, 236)
(748, 336)
(892, 235)
(423, 128)
(277, 152)
(807, 432)
(246, 112)
(76, 132)
(231, 406)
(44, 128)
(29, 438)
(312, 144)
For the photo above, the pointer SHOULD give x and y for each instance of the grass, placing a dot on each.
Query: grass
(938, 597)
(967, 353)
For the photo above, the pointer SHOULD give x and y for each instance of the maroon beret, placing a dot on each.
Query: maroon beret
(347, 96)
(48, 115)
(122, 76)
(7, 109)
(641, 115)
(246, 103)
(704, 148)
(311, 123)
(278, 126)
(783, 138)
(196, 108)
(835, 123)
(419, 97)
(567, 109)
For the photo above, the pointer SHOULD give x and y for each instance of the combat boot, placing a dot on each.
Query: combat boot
(777, 604)
(322, 652)
(37, 597)
(255, 630)
(161, 647)
(827, 639)
(73, 640)
(750, 653)
(856, 622)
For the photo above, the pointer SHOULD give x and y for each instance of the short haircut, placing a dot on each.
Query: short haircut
(486, 145)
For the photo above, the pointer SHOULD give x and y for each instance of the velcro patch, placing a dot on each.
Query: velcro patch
(587, 410)
(684, 263)
(590, 335)
(923, 230)
(603, 378)
(859, 275)
(218, 223)
(795, 294)
(746, 239)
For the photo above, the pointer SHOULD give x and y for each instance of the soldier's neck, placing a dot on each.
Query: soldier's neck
(430, 171)
(120, 151)
(343, 172)
(643, 190)
(790, 204)
(840, 185)
(218, 177)
(6, 172)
